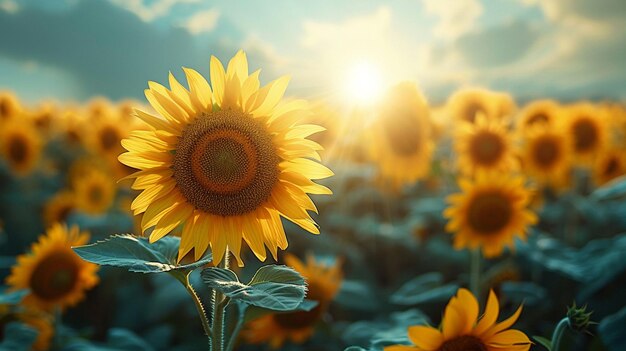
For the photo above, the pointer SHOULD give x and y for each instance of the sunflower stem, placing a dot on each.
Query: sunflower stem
(233, 337)
(199, 306)
(475, 257)
(558, 334)
(219, 306)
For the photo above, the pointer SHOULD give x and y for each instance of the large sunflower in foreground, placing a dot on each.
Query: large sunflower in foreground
(323, 282)
(489, 212)
(53, 273)
(225, 162)
(462, 330)
(484, 146)
(402, 145)
(588, 127)
(546, 154)
(20, 145)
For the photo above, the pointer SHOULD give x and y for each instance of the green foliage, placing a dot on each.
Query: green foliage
(12, 297)
(545, 342)
(138, 255)
(424, 288)
(611, 331)
(274, 287)
(18, 336)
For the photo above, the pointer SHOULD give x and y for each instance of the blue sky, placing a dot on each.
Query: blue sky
(76, 49)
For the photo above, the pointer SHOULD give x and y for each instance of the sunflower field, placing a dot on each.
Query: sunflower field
(225, 211)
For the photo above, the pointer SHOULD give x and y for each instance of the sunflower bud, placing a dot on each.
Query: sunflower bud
(578, 317)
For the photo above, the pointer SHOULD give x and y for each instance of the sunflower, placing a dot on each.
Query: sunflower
(99, 108)
(540, 112)
(58, 207)
(484, 146)
(94, 191)
(402, 145)
(42, 323)
(588, 127)
(489, 213)
(505, 105)
(609, 165)
(545, 155)
(323, 284)
(54, 274)
(20, 145)
(9, 106)
(44, 117)
(462, 330)
(72, 127)
(226, 163)
(106, 135)
(467, 104)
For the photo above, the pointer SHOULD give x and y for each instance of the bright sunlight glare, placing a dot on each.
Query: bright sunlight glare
(363, 83)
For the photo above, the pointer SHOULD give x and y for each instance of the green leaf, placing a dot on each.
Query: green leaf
(254, 312)
(545, 342)
(138, 255)
(424, 288)
(611, 330)
(18, 336)
(12, 297)
(277, 288)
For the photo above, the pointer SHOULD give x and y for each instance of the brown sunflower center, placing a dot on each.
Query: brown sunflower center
(489, 212)
(5, 109)
(226, 163)
(109, 138)
(536, 118)
(546, 152)
(612, 167)
(585, 135)
(18, 149)
(95, 194)
(403, 132)
(43, 121)
(55, 276)
(486, 147)
(303, 319)
(472, 110)
(463, 343)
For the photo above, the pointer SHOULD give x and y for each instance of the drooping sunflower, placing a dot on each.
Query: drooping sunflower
(484, 146)
(225, 162)
(52, 272)
(489, 213)
(467, 104)
(402, 146)
(10, 106)
(323, 283)
(588, 127)
(94, 192)
(546, 156)
(540, 112)
(58, 207)
(20, 145)
(461, 329)
(609, 165)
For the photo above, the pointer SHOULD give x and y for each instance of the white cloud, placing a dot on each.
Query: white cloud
(9, 6)
(150, 10)
(202, 22)
(456, 17)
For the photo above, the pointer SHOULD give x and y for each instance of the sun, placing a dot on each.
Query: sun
(363, 83)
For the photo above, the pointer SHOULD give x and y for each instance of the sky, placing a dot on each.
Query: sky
(73, 50)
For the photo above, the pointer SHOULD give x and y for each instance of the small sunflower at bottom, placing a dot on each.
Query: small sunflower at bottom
(461, 329)
(20, 145)
(52, 272)
(323, 283)
(489, 213)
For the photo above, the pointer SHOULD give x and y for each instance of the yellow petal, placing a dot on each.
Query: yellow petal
(217, 80)
(426, 338)
(201, 93)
